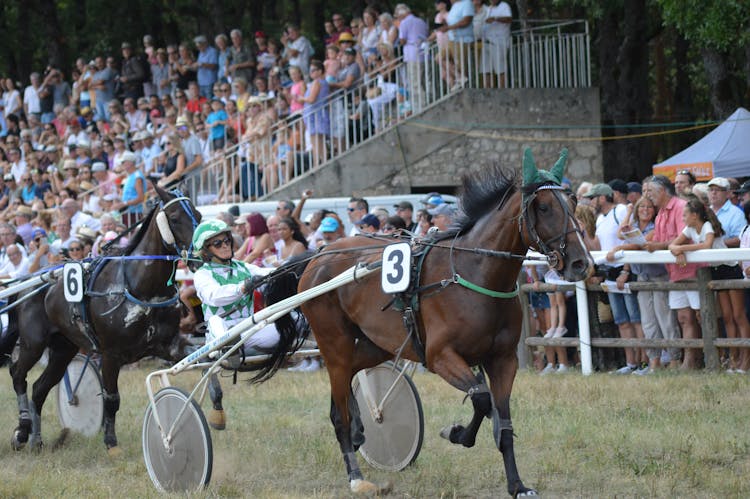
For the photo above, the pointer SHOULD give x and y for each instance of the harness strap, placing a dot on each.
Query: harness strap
(488, 292)
(151, 304)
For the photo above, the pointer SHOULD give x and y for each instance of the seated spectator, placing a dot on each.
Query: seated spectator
(442, 216)
(16, 265)
(369, 224)
(394, 225)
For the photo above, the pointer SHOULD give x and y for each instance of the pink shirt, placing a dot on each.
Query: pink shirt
(296, 91)
(667, 227)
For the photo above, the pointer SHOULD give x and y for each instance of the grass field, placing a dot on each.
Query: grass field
(667, 435)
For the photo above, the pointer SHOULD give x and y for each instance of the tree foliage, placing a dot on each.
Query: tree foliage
(723, 25)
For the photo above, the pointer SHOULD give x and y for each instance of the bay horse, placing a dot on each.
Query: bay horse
(130, 310)
(466, 310)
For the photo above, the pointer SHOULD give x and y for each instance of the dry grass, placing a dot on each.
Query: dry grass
(670, 435)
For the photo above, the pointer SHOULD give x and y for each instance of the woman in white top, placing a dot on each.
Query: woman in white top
(388, 31)
(369, 34)
(703, 231)
(11, 99)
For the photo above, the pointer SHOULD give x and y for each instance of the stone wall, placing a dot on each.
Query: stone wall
(471, 129)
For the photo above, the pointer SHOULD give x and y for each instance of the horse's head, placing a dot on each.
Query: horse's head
(176, 220)
(548, 222)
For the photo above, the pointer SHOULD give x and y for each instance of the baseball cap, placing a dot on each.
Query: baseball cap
(126, 45)
(599, 190)
(200, 39)
(745, 187)
(619, 185)
(719, 182)
(98, 167)
(404, 205)
(128, 156)
(329, 224)
(370, 220)
(442, 209)
(260, 34)
(38, 231)
(635, 187)
(433, 198)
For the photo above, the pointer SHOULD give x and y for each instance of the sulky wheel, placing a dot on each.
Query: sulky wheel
(393, 438)
(80, 405)
(184, 463)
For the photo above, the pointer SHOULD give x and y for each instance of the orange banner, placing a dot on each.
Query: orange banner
(702, 171)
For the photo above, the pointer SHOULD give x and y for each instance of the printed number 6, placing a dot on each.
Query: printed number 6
(72, 281)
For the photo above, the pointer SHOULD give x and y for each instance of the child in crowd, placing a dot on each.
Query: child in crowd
(332, 63)
(217, 122)
(703, 231)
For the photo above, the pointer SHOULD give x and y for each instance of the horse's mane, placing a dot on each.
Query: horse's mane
(481, 191)
(140, 233)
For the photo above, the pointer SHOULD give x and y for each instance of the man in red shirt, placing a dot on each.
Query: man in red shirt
(668, 226)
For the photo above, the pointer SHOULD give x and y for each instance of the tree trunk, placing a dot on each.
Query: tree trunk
(717, 72)
(54, 39)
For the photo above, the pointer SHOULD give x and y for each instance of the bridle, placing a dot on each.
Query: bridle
(555, 255)
(165, 229)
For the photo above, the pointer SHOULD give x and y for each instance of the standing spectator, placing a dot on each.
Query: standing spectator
(657, 319)
(62, 93)
(445, 62)
(150, 152)
(46, 93)
(731, 217)
(369, 34)
(684, 180)
(195, 99)
(460, 30)
(185, 67)
(12, 103)
(174, 162)
(160, 74)
(339, 27)
(133, 73)
(297, 49)
(667, 227)
(31, 97)
(222, 47)
(241, 63)
(703, 230)
(103, 85)
(624, 305)
(217, 122)
(190, 145)
(315, 112)
(619, 191)
(635, 191)
(496, 43)
(297, 90)
(413, 32)
(206, 65)
(442, 216)
(405, 210)
(133, 191)
(388, 30)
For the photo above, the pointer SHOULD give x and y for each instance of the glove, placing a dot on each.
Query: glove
(249, 285)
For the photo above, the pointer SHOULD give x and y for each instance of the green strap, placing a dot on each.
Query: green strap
(479, 289)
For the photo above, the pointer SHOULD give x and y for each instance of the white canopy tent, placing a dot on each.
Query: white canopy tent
(725, 152)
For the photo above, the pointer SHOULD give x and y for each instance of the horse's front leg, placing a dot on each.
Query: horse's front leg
(502, 372)
(61, 351)
(452, 368)
(110, 374)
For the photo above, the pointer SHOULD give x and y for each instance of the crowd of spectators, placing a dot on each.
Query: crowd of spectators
(658, 214)
(177, 107)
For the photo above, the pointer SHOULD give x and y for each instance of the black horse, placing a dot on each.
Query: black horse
(130, 310)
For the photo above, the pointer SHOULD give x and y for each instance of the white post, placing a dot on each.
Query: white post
(584, 333)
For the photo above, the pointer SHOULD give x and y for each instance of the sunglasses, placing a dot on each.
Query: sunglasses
(75, 248)
(218, 243)
(351, 209)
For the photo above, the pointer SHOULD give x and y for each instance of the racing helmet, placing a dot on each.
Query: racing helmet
(206, 230)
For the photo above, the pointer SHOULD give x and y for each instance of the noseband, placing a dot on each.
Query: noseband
(165, 229)
(556, 256)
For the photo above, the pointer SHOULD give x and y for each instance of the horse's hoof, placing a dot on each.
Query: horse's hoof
(451, 433)
(217, 420)
(16, 443)
(114, 452)
(35, 443)
(528, 493)
(363, 487)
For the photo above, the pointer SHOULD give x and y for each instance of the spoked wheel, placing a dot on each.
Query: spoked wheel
(80, 405)
(393, 438)
(184, 463)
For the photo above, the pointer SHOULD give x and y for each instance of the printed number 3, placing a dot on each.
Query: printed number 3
(396, 259)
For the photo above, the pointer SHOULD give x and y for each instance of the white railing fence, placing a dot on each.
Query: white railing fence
(712, 256)
(549, 54)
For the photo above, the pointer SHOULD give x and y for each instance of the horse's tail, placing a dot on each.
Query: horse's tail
(9, 337)
(292, 327)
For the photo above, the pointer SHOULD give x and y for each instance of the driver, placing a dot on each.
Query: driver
(225, 285)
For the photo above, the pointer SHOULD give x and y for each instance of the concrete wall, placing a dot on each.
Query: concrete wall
(462, 133)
